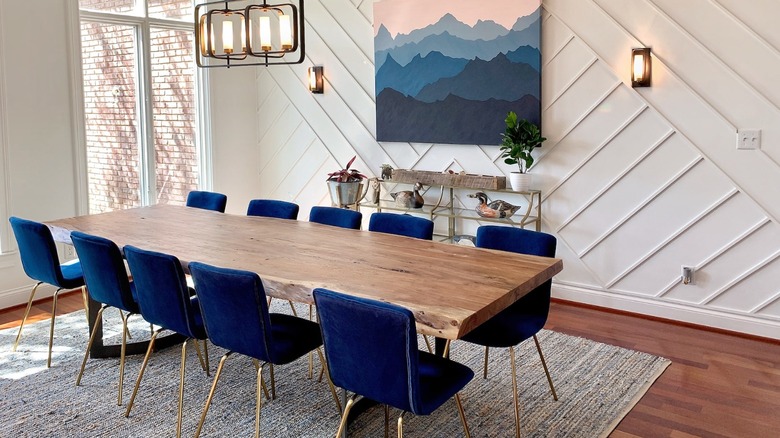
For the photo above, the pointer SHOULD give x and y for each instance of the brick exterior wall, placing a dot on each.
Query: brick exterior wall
(173, 97)
(110, 87)
(110, 113)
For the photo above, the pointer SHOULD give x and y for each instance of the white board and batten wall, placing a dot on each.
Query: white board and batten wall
(636, 182)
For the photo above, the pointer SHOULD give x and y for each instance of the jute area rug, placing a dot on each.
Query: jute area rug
(597, 385)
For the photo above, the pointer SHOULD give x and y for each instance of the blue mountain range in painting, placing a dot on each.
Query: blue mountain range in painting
(449, 82)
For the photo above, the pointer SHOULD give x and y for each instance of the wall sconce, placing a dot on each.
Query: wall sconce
(641, 72)
(316, 82)
(258, 34)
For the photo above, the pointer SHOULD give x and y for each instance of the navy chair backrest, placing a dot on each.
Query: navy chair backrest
(272, 208)
(37, 251)
(401, 224)
(337, 217)
(207, 200)
(370, 347)
(162, 292)
(234, 309)
(104, 271)
(524, 242)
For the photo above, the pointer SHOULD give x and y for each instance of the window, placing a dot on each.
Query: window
(140, 102)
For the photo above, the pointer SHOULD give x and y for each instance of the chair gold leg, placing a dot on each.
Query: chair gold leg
(203, 364)
(447, 348)
(125, 332)
(26, 313)
(273, 381)
(181, 387)
(514, 392)
(129, 336)
(401, 425)
(265, 388)
(343, 422)
(311, 355)
(485, 366)
(51, 327)
(211, 393)
(86, 302)
(387, 421)
(292, 306)
(428, 344)
(462, 415)
(141, 373)
(330, 383)
(546, 371)
(206, 353)
(98, 322)
(259, 401)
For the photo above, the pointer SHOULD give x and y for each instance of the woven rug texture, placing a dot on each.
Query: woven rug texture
(597, 385)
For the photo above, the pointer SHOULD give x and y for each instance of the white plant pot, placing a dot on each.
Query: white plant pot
(520, 182)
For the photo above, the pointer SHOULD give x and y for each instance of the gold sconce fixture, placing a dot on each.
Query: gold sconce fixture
(316, 82)
(641, 71)
(257, 34)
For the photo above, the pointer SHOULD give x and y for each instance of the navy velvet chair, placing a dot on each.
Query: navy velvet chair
(526, 317)
(107, 283)
(235, 312)
(371, 349)
(272, 208)
(41, 263)
(402, 225)
(207, 200)
(165, 301)
(337, 217)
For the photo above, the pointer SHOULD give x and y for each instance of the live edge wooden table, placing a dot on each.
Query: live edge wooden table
(451, 289)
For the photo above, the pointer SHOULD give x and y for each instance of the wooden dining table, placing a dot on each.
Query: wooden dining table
(451, 289)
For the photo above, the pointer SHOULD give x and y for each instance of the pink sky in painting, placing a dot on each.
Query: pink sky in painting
(403, 16)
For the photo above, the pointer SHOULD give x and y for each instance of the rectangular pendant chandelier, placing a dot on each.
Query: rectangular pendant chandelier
(233, 33)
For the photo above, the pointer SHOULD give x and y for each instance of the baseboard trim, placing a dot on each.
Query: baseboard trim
(687, 315)
(18, 297)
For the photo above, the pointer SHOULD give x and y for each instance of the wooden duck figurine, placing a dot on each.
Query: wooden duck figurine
(408, 198)
(496, 209)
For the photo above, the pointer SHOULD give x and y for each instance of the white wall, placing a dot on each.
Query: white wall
(637, 182)
(36, 113)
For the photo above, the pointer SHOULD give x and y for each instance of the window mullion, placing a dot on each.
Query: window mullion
(146, 134)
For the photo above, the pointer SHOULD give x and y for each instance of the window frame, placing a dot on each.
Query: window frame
(144, 104)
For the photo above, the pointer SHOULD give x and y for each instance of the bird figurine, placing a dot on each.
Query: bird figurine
(408, 198)
(496, 209)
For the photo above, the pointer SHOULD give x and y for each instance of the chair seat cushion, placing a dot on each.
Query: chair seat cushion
(506, 329)
(440, 379)
(292, 337)
(72, 275)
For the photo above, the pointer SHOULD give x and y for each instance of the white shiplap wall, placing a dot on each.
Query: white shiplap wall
(636, 182)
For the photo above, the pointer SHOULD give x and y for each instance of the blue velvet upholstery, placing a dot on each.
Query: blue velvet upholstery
(272, 208)
(235, 312)
(41, 263)
(104, 272)
(401, 224)
(162, 292)
(371, 349)
(207, 200)
(526, 316)
(39, 256)
(337, 217)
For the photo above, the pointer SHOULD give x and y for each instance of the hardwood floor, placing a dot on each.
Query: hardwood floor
(719, 385)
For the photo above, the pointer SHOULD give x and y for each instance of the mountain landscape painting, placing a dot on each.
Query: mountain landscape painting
(448, 71)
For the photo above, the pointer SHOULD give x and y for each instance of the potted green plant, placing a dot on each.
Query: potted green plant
(345, 185)
(518, 140)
